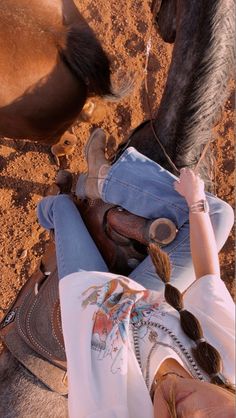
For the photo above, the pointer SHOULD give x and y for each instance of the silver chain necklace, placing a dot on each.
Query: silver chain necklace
(188, 359)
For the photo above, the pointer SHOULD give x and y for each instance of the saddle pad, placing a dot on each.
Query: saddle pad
(31, 329)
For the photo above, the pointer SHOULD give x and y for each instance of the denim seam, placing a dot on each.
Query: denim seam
(60, 249)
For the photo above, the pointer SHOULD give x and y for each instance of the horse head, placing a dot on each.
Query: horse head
(46, 77)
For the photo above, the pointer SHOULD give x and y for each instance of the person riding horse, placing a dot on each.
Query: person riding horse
(195, 92)
(137, 340)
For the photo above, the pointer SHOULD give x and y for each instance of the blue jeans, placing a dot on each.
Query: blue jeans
(146, 189)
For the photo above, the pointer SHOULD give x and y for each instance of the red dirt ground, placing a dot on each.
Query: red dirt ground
(27, 168)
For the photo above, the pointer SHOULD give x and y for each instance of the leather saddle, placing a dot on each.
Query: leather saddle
(31, 329)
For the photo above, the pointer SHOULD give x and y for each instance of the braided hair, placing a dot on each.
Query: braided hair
(206, 355)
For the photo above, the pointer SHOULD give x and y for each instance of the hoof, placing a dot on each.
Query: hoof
(62, 184)
(56, 159)
(52, 190)
(64, 147)
(87, 112)
(64, 181)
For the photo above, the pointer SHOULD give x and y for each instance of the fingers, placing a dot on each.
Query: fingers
(189, 185)
(176, 184)
(186, 172)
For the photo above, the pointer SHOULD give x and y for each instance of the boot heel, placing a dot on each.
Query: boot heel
(80, 186)
(162, 231)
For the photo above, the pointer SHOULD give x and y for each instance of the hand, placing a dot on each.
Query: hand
(190, 186)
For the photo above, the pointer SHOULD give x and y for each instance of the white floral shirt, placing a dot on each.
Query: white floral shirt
(99, 314)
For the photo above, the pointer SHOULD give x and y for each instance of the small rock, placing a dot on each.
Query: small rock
(24, 254)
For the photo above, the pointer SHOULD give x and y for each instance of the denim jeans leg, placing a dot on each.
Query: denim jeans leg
(182, 276)
(146, 189)
(75, 248)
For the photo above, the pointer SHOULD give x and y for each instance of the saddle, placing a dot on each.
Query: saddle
(31, 329)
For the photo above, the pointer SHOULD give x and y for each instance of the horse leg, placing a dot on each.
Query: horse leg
(165, 20)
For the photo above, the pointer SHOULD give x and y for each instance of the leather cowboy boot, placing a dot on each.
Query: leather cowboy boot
(87, 185)
(161, 231)
(62, 184)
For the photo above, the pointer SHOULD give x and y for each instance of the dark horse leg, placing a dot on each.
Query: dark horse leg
(196, 87)
(165, 19)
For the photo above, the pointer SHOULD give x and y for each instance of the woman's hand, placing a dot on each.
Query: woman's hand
(202, 239)
(190, 186)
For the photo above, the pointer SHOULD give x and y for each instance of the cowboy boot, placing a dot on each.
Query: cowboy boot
(87, 185)
(62, 184)
(162, 230)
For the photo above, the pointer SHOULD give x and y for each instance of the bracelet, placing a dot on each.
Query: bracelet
(199, 206)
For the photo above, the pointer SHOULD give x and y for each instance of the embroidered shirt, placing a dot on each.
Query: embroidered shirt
(98, 312)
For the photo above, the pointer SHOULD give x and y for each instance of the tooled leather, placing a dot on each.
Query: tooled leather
(36, 319)
(35, 335)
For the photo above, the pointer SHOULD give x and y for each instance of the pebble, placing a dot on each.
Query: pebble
(24, 254)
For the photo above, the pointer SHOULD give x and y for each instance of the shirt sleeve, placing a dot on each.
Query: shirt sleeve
(118, 412)
(209, 294)
(209, 300)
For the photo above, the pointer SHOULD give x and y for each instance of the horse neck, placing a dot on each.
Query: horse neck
(196, 87)
(22, 394)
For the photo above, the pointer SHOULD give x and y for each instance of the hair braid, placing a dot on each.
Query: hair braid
(205, 354)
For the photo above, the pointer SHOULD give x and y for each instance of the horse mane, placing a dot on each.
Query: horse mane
(208, 86)
(196, 86)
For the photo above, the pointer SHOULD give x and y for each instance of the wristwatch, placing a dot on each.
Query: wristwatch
(199, 206)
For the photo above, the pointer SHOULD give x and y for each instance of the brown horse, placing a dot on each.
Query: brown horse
(195, 91)
(50, 62)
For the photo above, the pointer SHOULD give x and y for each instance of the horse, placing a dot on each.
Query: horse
(50, 63)
(197, 84)
(195, 91)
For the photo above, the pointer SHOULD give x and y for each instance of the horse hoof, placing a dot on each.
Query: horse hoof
(64, 147)
(87, 112)
(64, 180)
(56, 159)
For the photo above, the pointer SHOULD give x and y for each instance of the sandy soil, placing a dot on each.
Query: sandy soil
(26, 168)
